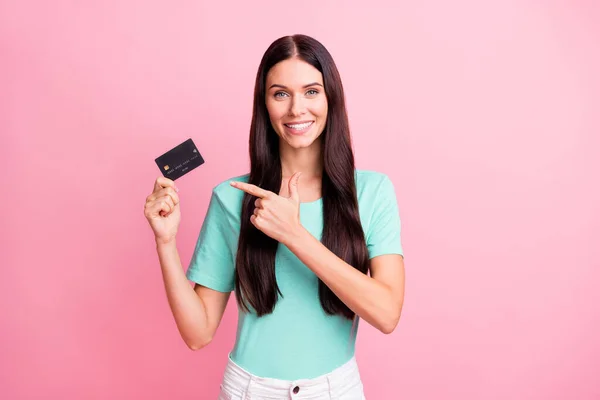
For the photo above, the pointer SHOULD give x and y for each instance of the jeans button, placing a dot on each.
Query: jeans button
(296, 390)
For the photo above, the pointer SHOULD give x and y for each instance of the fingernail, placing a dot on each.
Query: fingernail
(176, 189)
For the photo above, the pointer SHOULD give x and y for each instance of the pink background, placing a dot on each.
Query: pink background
(483, 113)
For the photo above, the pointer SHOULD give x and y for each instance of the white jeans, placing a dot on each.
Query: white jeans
(343, 383)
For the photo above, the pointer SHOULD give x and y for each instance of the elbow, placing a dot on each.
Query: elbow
(389, 325)
(198, 343)
(390, 312)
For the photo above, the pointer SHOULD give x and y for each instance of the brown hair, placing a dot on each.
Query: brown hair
(255, 281)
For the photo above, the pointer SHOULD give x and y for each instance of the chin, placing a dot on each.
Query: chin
(300, 142)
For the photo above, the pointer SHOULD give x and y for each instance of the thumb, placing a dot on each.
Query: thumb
(293, 186)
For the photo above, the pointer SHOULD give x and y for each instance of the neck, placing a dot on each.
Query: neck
(307, 160)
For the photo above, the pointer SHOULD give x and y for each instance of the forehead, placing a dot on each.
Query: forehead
(293, 72)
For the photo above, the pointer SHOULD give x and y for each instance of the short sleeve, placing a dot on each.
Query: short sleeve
(384, 228)
(212, 264)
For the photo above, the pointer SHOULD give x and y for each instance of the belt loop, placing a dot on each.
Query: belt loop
(247, 391)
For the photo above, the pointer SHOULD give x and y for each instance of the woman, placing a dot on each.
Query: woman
(294, 238)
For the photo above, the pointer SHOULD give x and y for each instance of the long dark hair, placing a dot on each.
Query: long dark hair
(255, 281)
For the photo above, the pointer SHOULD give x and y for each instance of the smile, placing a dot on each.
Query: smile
(300, 128)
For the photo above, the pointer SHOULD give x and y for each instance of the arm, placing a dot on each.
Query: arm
(197, 311)
(377, 299)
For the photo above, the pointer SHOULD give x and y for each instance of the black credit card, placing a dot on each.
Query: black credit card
(179, 161)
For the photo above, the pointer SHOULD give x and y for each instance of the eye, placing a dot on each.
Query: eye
(312, 92)
(277, 95)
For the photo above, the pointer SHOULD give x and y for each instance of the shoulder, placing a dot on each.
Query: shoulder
(230, 197)
(224, 187)
(374, 188)
(368, 180)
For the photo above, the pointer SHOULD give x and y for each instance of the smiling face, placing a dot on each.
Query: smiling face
(296, 102)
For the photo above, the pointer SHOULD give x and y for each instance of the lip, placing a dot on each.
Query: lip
(299, 122)
(296, 131)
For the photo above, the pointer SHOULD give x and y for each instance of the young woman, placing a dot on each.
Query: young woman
(308, 243)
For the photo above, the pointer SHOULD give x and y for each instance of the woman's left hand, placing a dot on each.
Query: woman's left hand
(277, 216)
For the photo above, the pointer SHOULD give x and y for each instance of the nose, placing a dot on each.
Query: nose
(297, 106)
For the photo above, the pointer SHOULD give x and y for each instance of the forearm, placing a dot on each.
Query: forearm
(370, 299)
(187, 307)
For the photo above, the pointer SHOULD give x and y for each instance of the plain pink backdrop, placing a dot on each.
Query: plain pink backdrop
(485, 114)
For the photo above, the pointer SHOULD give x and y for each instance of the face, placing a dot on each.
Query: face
(296, 102)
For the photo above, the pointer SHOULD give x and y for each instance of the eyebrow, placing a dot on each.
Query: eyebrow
(304, 87)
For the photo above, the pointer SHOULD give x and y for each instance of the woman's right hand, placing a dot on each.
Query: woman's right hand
(162, 210)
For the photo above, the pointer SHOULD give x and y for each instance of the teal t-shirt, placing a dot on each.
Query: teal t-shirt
(298, 340)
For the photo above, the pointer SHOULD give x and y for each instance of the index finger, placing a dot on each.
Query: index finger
(162, 182)
(252, 189)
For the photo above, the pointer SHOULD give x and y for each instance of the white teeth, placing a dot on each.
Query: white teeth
(299, 126)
